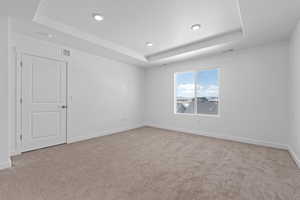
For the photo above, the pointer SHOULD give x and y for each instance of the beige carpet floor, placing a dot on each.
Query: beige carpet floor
(152, 164)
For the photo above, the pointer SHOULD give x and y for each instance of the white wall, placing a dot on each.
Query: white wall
(253, 93)
(4, 137)
(295, 94)
(105, 96)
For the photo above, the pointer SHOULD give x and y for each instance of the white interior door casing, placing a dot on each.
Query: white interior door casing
(44, 92)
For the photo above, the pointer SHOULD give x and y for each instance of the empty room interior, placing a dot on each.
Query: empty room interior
(150, 100)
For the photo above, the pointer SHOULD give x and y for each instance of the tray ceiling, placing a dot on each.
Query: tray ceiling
(128, 26)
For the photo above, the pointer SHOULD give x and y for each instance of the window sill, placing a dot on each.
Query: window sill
(198, 115)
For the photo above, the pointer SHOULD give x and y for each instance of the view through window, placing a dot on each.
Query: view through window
(197, 92)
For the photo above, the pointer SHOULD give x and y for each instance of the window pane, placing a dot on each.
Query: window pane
(207, 91)
(185, 92)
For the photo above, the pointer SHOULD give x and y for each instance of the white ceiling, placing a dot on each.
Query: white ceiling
(165, 23)
(20, 9)
(128, 25)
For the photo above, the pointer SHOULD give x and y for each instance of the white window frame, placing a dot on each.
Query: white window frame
(195, 94)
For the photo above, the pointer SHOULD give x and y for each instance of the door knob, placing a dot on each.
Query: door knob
(64, 107)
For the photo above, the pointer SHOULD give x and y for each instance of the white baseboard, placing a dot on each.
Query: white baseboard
(4, 165)
(294, 156)
(102, 133)
(224, 137)
(15, 153)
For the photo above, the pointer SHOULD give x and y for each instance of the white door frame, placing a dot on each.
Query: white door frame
(18, 104)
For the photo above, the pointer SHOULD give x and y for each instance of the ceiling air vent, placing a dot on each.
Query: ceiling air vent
(66, 52)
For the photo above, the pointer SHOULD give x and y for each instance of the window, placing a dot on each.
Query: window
(197, 92)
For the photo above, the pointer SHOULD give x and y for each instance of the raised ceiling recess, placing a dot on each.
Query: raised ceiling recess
(128, 26)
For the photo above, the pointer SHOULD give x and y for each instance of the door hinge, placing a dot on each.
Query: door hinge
(21, 100)
(21, 137)
(21, 64)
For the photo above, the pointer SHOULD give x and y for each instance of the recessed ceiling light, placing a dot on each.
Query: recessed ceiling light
(195, 27)
(50, 36)
(149, 44)
(98, 17)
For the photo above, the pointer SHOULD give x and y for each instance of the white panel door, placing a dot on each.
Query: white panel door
(44, 108)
